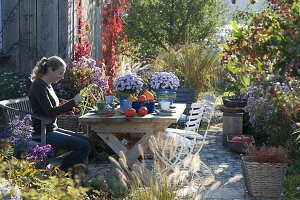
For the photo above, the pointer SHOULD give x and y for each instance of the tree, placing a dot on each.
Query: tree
(162, 23)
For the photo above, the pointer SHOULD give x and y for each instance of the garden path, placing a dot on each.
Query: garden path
(229, 181)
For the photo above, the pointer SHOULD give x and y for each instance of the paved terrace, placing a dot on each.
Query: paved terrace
(226, 165)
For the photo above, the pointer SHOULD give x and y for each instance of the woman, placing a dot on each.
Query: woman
(45, 102)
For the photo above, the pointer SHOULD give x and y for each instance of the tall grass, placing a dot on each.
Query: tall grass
(157, 182)
(193, 63)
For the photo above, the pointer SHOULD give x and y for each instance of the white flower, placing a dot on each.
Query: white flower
(164, 80)
(128, 81)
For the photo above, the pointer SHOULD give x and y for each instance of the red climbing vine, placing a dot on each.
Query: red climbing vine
(112, 34)
(82, 46)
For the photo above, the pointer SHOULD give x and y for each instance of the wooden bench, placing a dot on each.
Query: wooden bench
(21, 106)
(185, 95)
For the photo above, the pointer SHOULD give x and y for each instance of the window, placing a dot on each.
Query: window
(1, 45)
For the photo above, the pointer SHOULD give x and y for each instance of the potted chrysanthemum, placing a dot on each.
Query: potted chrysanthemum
(127, 84)
(164, 84)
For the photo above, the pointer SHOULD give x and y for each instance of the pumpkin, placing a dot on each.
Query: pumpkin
(130, 112)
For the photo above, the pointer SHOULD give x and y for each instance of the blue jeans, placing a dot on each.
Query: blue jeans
(80, 146)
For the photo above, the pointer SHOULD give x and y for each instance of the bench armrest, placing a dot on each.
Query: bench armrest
(46, 120)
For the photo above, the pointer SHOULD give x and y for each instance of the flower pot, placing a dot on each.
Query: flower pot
(166, 94)
(109, 99)
(150, 106)
(263, 179)
(238, 146)
(234, 103)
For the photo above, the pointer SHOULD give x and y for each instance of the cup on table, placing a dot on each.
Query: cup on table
(126, 104)
(165, 105)
(109, 99)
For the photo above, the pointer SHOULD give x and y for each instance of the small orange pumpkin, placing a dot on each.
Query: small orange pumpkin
(149, 95)
(130, 112)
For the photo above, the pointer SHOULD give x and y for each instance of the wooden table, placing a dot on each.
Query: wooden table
(108, 128)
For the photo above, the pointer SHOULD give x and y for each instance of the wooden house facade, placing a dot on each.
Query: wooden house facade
(32, 29)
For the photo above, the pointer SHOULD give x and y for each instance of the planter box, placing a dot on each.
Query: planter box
(234, 103)
(238, 146)
(263, 179)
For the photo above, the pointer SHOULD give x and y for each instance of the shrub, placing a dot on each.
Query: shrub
(79, 74)
(267, 121)
(192, 63)
(13, 85)
(267, 154)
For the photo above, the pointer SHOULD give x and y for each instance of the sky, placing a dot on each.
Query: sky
(241, 4)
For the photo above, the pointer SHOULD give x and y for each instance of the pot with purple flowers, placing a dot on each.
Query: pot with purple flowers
(127, 84)
(165, 85)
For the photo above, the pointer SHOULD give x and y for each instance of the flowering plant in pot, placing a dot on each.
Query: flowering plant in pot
(237, 142)
(79, 74)
(164, 84)
(128, 83)
(164, 80)
(264, 170)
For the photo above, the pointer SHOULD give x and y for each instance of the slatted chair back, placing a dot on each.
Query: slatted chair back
(21, 107)
(194, 118)
(19, 104)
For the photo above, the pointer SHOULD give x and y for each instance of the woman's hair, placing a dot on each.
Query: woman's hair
(42, 66)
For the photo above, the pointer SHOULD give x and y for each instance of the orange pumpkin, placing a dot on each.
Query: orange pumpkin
(143, 111)
(130, 112)
(149, 95)
(142, 98)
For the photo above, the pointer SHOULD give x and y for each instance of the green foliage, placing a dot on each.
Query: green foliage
(270, 43)
(13, 85)
(291, 183)
(40, 184)
(91, 94)
(153, 25)
(266, 53)
(194, 65)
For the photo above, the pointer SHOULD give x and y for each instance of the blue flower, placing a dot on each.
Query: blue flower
(128, 82)
(164, 80)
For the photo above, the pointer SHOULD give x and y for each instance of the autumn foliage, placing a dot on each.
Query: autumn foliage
(267, 154)
(112, 35)
(82, 46)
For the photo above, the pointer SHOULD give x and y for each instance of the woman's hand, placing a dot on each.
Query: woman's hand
(78, 98)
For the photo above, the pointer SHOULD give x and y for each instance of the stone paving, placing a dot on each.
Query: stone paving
(226, 166)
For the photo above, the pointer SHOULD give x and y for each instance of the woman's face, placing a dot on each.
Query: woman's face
(57, 75)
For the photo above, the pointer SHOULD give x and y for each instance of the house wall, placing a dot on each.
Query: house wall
(36, 28)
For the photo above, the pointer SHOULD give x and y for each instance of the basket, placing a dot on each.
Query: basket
(237, 146)
(68, 122)
(263, 179)
(106, 113)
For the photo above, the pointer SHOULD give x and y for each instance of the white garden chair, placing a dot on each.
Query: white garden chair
(171, 157)
(184, 146)
(201, 111)
(182, 136)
